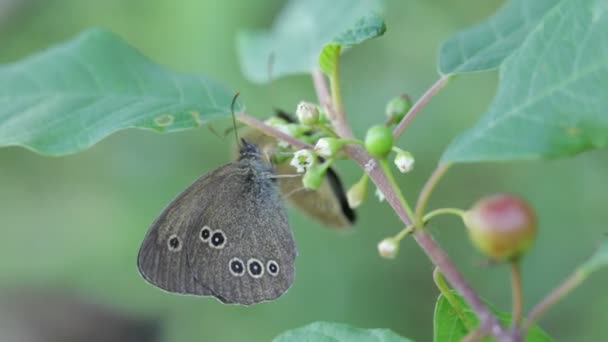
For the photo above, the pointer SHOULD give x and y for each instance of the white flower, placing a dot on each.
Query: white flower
(323, 148)
(380, 195)
(404, 161)
(287, 130)
(388, 248)
(302, 160)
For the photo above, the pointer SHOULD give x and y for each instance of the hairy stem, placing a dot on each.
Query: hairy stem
(434, 89)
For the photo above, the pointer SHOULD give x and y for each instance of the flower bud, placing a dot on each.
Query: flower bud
(313, 177)
(328, 147)
(356, 193)
(388, 248)
(380, 195)
(404, 161)
(501, 226)
(379, 141)
(307, 113)
(302, 160)
(397, 107)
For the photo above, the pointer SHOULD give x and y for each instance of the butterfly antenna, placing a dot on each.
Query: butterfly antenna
(236, 135)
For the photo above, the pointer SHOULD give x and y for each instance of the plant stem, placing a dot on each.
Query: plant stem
(442, 211)
(419, 104)
(553, 297)
(264, 128)
(488, 322)
(393, 183)
(517, 293)
(427, 190)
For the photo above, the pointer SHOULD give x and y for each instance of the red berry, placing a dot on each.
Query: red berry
(501, 226)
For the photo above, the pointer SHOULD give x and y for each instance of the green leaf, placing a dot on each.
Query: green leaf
(485, 46)
(336, 332)
(299, 33)
(551, 101)
(69, 97)
(328, 59)
(448, 326)
(597, 261)
(365, 28)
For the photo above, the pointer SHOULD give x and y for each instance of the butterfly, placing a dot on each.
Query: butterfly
(226, 236)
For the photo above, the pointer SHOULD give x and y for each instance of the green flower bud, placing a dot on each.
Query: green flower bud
(397, 107)
(501, 226)
(307, 113)
(313, 177)
(356, 193)
(328, 147)
(379, 141)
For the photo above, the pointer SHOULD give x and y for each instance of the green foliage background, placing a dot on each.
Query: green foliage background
(76, 222)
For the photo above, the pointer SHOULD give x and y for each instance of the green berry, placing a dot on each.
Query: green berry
(379, 141)
(397, 107)
(501, 226)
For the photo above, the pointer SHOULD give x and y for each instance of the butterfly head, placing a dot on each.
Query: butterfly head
(249, 150)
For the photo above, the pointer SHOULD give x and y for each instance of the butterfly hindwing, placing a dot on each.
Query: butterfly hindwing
(244, 251)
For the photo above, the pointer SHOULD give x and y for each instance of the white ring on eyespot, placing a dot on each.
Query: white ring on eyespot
(272, 262)
(179, 241)
(211, 239)
(200, 236)
(230, 267)
(251, 261)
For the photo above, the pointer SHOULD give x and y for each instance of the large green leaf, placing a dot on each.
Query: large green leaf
(551, 101)
(486, 45)
(69, 97)
(336, 332)
(298, 34)
(450, 325)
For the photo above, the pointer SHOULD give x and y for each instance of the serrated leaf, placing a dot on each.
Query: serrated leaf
(485, 46)
(597, 261)
(551, 101)
(336, 332)
(69, 97)
(448, 326)
(299, 33)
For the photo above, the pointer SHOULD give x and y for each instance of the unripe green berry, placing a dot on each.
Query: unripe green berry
(379, 141)
(501, 226)
(397, 107)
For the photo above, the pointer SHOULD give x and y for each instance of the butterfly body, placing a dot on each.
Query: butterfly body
(226, 236)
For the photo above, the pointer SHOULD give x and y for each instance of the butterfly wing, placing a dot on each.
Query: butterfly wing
(247, 255)
(167, 266)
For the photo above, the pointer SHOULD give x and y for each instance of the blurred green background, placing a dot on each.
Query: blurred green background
(76, 222)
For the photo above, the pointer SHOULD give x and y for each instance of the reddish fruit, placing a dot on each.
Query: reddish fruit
(501, 226)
